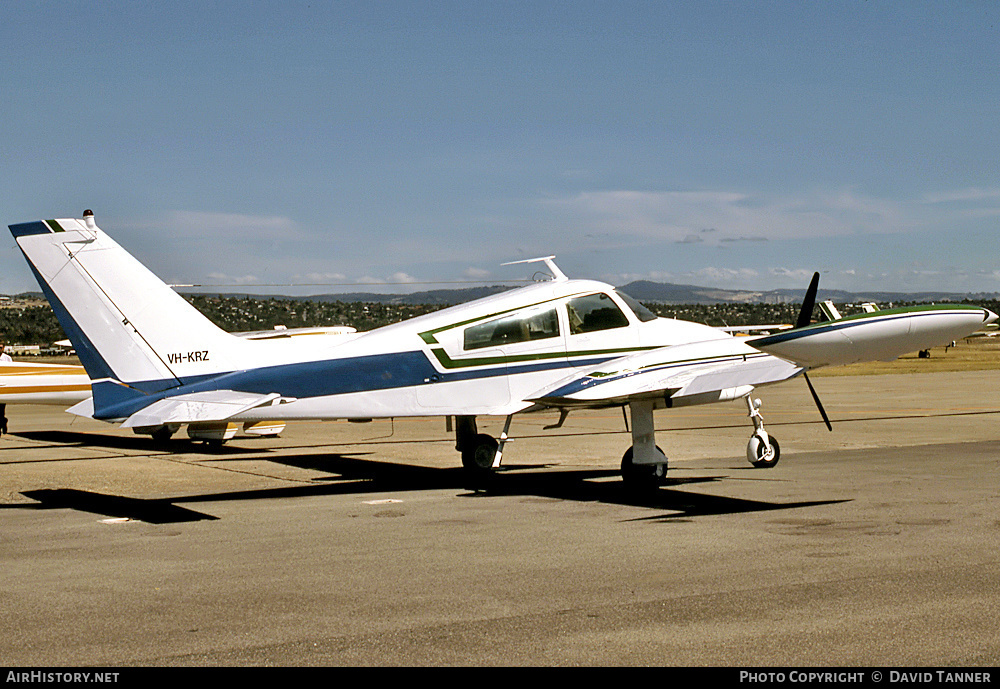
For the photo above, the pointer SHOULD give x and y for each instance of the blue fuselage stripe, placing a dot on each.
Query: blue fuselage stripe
(320, 378)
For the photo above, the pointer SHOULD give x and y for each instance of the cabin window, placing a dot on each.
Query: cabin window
(593, 313)
(640, 311)
(517, 327)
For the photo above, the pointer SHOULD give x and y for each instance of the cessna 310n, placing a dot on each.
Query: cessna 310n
(563, 344)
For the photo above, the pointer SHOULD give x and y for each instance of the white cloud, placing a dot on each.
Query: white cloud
(691, 239)
(223, 279)
(711, 276)
(320, 278)
(708, 276)
(229, 226)
(653, 276)
(399, 278)
(960, 195)
(718, 217)
(794, 275)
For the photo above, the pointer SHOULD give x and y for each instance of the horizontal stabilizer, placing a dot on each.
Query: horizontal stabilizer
(214, 405)
(84, 408)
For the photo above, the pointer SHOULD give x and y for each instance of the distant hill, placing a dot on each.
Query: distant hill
(662, 292)
(669, 293)
(643, 290)
(434, 296)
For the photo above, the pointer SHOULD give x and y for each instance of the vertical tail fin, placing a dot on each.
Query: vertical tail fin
(125, 323)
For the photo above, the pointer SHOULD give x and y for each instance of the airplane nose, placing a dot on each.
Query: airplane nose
(990, 317)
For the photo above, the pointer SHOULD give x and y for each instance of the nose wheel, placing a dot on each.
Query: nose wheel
(763, 453)
(763, 450)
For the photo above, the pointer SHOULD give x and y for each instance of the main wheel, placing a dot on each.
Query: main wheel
(763, 455)
(480, 454)
(163, 433)
(642, 476)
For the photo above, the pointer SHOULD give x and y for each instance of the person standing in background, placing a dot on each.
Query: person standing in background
(4, 357)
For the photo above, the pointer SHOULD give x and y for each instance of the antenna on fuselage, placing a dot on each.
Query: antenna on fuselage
(557, 275)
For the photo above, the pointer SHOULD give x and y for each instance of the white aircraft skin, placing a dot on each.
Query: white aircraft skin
(24, 382)
(155, 360)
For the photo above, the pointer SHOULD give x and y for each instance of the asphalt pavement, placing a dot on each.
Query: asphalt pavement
(365, 544)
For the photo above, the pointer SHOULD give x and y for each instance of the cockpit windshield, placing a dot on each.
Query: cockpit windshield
(640, 311)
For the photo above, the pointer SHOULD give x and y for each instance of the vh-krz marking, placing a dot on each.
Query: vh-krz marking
(189, 357)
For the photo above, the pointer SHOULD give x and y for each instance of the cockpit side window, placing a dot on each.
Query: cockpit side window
(594, 312)
(518, 327)
(640, 311)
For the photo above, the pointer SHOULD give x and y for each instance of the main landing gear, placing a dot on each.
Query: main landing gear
(644, 465)
(481, 453)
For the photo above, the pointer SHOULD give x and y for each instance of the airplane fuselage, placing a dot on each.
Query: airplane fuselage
(503, 354)
(482, 358)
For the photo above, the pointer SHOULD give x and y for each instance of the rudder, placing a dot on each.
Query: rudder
(126, 323)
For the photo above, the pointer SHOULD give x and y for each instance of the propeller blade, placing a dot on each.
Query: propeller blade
(808, 303)
(819, 405)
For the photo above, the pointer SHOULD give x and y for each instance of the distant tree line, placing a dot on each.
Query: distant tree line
(36, 324)
(241, 314)
(30, 325)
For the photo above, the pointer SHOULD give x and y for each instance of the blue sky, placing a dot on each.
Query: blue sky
(349, 145)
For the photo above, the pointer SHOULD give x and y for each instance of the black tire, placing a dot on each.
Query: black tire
(162, 434)
(762, 463)
(480, 455)
(642, 476)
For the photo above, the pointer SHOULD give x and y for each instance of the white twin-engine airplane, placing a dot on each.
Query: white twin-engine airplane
(155, 361)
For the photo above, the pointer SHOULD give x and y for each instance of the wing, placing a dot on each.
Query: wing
(692, 373)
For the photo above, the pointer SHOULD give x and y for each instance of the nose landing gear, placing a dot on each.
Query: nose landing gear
(762, 450)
